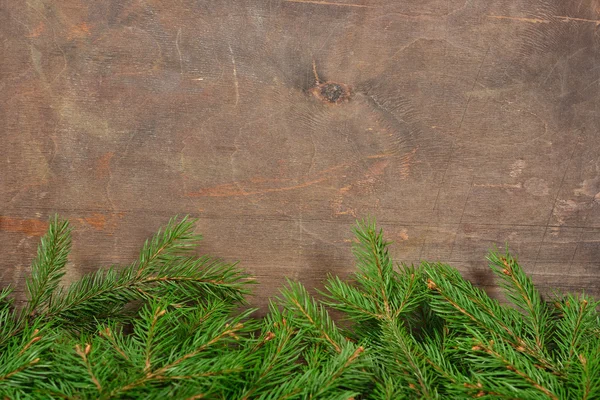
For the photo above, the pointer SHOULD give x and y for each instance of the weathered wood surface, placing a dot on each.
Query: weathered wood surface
(459, 124)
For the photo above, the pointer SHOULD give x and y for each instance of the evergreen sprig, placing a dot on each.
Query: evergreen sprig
(173, 324)
(48, 267)
(522, 293)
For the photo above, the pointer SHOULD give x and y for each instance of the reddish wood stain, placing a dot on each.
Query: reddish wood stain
(96, 220)
(79, 30)
(30, 227)
(37, 31)
(103, 165)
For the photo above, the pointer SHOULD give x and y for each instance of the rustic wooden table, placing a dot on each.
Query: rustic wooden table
(459, 124)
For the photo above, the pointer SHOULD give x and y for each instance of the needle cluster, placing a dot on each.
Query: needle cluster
(176, 325)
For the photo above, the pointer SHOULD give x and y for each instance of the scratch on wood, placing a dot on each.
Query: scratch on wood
(235, 78)
(406, 46)
(231, 190)
(381, 155)
(555, 204)
(406, 163)
(563, 18)
(575, 250)
(234, 189)
(418, 17)
(437, 198)
(329, 3)
(313, 155)
(103, 171)
(520, 19)
(592, 83)
(177, 38)
(462, 215)
(424, 241)
(317, 80)
(568, 19)
(378, 168)
(499, 185)
(462, 119)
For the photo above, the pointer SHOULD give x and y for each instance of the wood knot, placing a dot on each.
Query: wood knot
(331, 92)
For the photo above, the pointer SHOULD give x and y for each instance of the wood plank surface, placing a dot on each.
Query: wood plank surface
(459, 124)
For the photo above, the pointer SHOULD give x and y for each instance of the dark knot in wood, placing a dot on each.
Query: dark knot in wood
(331, 92)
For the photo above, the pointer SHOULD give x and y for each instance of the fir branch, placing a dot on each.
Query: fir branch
(22, 359)
(452, 293)
(162, 270)
(174, 239)
(149, 331)
(409, 291)
(577, 320)
(278, 349)
(311, 315)
(8, 318)
(373, 262)
(195, 277)
(521, 291)
(48, 267)
(341, 376)
(84, 353)
(98, 295)
(442, 350)
(407, 288)
(108, 333)
(515, 368)
(408, 360)
(169, 326)
(587, 378)
(359, 305)
(103, 294)
(166, 356)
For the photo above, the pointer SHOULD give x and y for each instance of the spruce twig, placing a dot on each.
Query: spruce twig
(170, 325)
(521, 291)
(48, 267)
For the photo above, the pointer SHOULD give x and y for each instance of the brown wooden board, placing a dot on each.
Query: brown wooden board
(459, 124)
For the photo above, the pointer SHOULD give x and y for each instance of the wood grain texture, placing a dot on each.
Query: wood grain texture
(459, 124)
